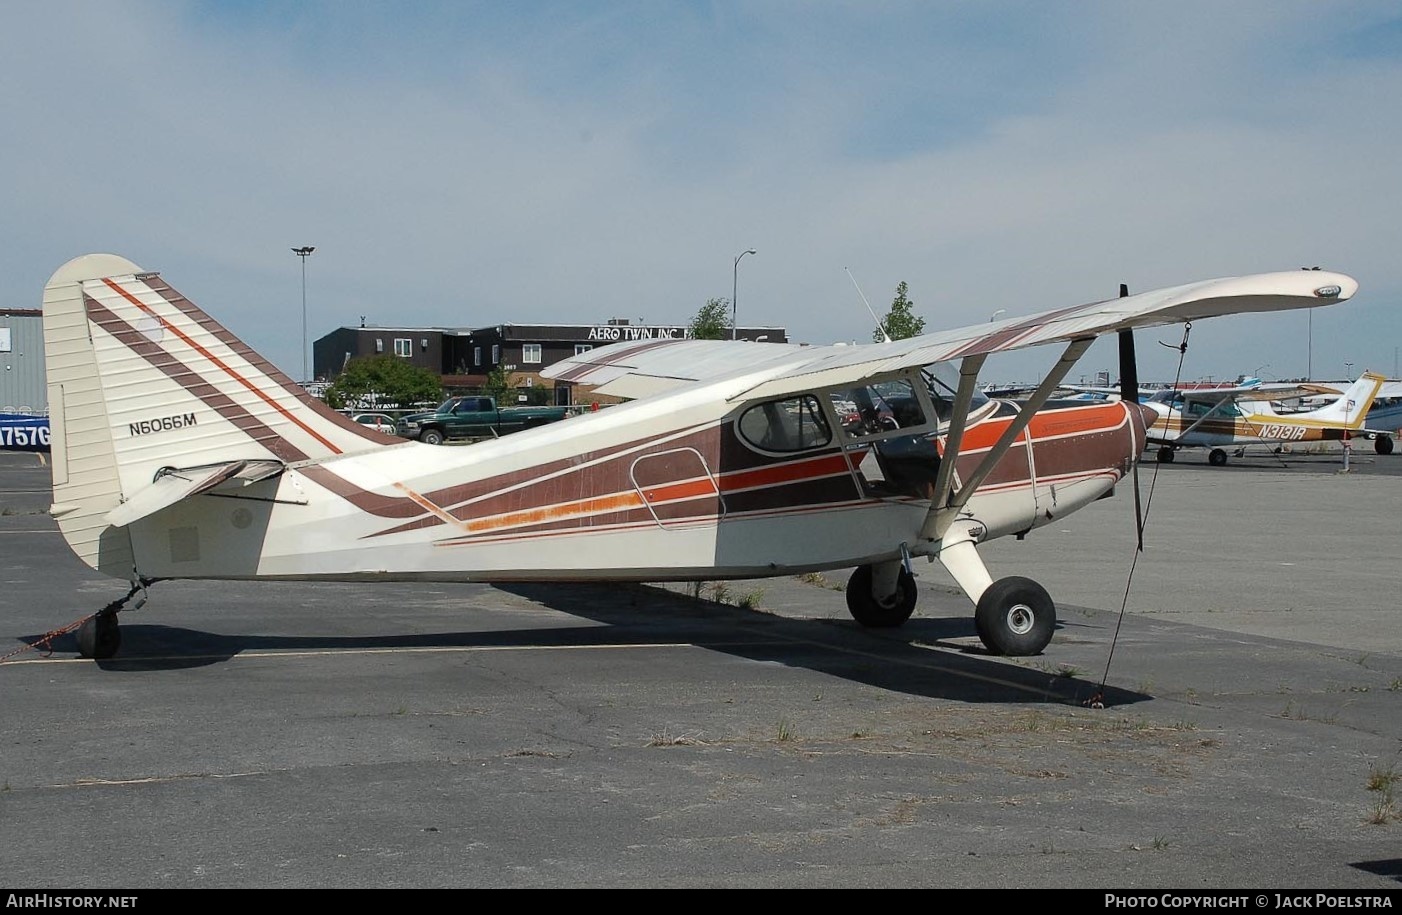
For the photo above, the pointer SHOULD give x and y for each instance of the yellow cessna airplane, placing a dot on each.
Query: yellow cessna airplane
(1224, 418)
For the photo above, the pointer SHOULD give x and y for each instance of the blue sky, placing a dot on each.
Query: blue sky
(467, 163)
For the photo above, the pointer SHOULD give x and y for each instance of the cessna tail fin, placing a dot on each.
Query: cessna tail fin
(1352, 407)
(140, 381)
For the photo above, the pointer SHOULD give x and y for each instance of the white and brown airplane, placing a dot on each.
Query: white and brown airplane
(179, 453)
(1238, 417)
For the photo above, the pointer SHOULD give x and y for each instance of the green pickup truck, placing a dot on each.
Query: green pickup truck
(473, 417)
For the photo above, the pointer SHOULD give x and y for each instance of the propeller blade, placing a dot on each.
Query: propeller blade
(1129, 393)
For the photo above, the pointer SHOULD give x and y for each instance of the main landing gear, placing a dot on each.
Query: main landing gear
(1014, 616)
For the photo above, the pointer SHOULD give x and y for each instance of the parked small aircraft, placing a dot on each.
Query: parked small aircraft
(179, 453)
(1221, 418)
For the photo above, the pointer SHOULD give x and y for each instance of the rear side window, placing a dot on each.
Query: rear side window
(796, 424)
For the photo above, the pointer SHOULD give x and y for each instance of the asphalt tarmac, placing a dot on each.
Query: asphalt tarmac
(1236, 728)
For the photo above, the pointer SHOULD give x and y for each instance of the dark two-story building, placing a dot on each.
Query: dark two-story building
(464, 357)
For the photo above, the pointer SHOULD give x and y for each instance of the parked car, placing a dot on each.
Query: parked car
(473, 417)
(380, 422)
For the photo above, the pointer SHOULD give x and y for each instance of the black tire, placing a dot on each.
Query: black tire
(1383, 444)
(1217, 457)
(431, 437)
(1015, 617)
(874, 614)
(99, 637)
(1165, 455)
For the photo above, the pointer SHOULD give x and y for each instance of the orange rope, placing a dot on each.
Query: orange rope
(44, 643)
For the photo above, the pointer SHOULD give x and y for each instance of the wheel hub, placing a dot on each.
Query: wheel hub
(1021, 618)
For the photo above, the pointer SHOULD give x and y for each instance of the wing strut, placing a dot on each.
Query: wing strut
(944, 478)
(941, 516)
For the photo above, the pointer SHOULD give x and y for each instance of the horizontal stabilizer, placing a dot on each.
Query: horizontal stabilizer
(173, 485)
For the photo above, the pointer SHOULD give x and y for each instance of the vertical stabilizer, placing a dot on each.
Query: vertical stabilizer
(140, 380)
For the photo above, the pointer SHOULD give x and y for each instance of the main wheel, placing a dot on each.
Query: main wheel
(1165, 455)
(99, 637)
(876, 614)
(1015, 617)
(1383, 444)
(431, 437)
(1217, 457)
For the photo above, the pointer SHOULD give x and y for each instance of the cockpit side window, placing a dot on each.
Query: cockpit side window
(795, 424)
(876, 408)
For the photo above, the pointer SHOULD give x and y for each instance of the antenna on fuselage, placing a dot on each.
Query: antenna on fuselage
(885, 337)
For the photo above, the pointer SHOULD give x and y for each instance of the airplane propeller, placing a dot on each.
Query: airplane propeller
(1129, 393)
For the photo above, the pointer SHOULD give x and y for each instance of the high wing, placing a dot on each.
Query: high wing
(1257, 392)
(657, 365)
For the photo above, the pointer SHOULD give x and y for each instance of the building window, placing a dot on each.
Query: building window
(379, 345)
(496, 353)
(530, 353)
(403, 346)
(580, 348)
(476, 356)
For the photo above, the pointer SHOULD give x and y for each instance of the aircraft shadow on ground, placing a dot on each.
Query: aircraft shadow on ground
(1388, 867)
(916, 659)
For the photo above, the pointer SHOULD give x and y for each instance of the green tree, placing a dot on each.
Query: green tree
(712, 321)
(498, 384)
(374, 382)
(901, 321)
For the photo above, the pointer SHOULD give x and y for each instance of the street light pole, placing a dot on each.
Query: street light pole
(735, 288)
(304, 252)
(993, 317)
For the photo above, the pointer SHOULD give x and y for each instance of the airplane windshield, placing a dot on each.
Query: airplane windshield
(943, 381)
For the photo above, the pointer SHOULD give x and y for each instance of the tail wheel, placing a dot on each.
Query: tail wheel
(879, 614)
(1015, 617)
(99, 637)
(1383, 444)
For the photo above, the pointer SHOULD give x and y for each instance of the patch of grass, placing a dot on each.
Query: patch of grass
(668, 739)
(1395, 685)
(1384, 809)
(786, 732)
(1380, 779)
(1298, 713)
(1160, 842)
(750, 601)
(402, 710)
(813, 578)
(720, 592)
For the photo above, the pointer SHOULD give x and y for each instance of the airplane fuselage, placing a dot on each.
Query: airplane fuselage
(631, 493)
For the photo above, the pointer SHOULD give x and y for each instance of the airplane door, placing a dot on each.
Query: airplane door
(678, 488)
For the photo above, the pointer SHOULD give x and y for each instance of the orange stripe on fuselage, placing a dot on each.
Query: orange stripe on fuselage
(798, 471)
(1050, 424)
(219, 362)
(701, 487)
